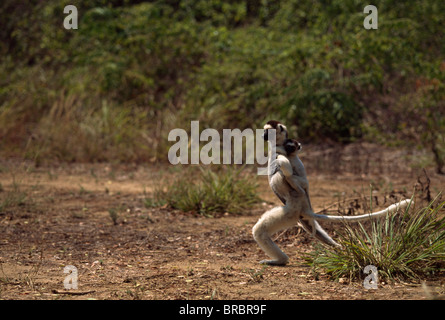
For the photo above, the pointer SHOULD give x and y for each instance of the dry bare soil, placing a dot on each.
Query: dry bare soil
(94, 218)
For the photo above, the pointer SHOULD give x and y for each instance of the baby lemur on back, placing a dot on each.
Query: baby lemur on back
(295, 174)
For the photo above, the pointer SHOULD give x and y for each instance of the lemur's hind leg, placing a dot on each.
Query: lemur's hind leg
(271, 222)
(313, 227)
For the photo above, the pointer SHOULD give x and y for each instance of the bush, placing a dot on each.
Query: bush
(401, 246)
(211, 193)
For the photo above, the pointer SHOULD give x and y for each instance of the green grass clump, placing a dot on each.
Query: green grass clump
(14, 197)
(211, 192)
(401, 246)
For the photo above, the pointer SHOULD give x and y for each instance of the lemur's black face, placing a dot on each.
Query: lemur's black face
(266, 134)
(275, 125)
(291, 146)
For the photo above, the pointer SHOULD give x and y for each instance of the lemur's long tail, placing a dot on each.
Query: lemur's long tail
(392, 208)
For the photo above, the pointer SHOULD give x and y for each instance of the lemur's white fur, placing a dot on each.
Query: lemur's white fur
(287, 178)
(280, 218)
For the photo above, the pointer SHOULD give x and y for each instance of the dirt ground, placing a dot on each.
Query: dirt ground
(93, 217)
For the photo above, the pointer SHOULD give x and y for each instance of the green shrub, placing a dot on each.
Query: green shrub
(212, 193)
(402, 245)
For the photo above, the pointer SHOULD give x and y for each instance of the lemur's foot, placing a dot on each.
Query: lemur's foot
(274, 262)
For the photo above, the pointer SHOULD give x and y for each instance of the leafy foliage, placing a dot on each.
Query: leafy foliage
(157, 65)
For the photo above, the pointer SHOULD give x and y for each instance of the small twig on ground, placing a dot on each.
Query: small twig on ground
(73, 293)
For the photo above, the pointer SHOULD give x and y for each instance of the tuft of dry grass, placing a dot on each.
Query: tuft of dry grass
(210, 192)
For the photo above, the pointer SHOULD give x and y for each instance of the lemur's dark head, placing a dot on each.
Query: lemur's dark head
(280, 131)
(292, 146)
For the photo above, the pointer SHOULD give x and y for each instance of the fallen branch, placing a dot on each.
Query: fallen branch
(73, 293)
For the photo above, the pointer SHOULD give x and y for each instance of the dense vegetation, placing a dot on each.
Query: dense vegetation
(133, 70)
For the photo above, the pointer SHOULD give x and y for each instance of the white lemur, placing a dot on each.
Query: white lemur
(288, 180)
